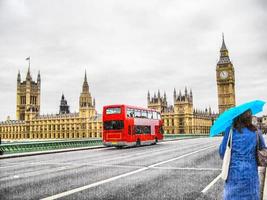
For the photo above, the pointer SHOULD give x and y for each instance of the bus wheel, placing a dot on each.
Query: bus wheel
(138, 143)
(154, 142)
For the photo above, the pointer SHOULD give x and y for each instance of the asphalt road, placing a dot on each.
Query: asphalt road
(179, 169)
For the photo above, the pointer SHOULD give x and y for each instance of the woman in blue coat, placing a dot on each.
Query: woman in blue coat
(242, 182)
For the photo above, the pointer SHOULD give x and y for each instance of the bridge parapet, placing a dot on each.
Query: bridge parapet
(49, 145)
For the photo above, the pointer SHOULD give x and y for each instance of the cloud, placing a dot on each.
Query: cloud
(130, 47)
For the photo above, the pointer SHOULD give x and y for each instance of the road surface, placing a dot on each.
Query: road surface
(180, 169)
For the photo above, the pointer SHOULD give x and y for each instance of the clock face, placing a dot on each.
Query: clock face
(224, 74)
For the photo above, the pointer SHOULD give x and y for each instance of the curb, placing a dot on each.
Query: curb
(264, 195)
(48, 152)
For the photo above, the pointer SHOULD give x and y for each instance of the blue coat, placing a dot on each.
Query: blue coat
(243, 181)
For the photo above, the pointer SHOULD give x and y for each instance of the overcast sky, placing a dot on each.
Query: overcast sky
(130, 47)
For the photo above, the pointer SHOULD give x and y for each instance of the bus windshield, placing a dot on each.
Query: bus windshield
(113, 125)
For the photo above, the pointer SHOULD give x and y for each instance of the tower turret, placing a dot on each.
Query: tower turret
(39, 78)
(19, 77)
(157, 102)
(185, 91)
(28, 98)
(64, 107)
(174, 95)
(28, 77)
(180, 95)
(191, 95)
(87, 108)
(85, 84)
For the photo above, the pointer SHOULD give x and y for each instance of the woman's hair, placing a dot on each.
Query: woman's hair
(244, 121)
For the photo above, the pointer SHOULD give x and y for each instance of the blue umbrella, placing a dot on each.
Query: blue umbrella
(225, 120)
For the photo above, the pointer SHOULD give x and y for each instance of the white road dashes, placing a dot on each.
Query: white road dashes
(211, 184)
(79, 189)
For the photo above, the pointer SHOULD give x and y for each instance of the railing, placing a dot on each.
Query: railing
(30, 146)
(43, 146)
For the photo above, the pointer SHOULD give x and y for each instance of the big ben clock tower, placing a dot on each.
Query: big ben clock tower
(225, 74)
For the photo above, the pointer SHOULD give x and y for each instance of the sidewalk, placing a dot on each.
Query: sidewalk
(264, 195)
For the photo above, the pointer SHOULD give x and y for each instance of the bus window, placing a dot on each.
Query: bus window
(113, 125)
(155, 115)
(158, 115)
(142, 129)
(149, 114)
(110, 111)
(130, 112)
(144, 114)
(137, 113)
(147, 129)
(137, 129)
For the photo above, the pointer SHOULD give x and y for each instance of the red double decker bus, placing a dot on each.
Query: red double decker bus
(125, 125)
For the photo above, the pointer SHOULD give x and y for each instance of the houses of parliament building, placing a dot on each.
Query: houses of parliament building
(31, 125)
(181, 117)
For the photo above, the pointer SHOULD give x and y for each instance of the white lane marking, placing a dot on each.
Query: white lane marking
(32, 173)
(67, 193)
(179, 157)
(8, 166)
(122, 156)
(189, 168)
(10, 177)
(31, 163)
(24, 162)
(36, 173)
(127, 166)
(211, 184)
(96, 161)
(160, 151)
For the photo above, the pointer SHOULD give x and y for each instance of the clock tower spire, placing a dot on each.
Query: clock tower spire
(225, 80)
(224, 55)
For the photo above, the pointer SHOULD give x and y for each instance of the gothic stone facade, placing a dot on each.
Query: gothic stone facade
(31, 125)
(181, 118)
